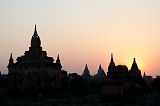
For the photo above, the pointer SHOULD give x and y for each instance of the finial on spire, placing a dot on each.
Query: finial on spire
(134, 65)
(86, 68)
(10, 60)
(134, 59)
(58, 60)
(100, 66)
(112, 57)
(58, 57)
(112, 61)
(35, 31)
(11, 56)
(86, 73)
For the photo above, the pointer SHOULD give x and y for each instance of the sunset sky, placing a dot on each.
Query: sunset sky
(84, 31)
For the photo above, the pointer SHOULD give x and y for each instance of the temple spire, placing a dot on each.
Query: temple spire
(101, 74)
(134, 60)
(134, 65)
(86, 68)
(35, 41)
(135, 72)
(35, 32)
(58, 57)
(111, 57)
(100, 67)
(11, 56)
(10, 61)
(112, 61)
(86, 73)
(58, 61)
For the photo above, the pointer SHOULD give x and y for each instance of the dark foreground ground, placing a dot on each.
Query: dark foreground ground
(68, 99)
(78, 92)
(78, 101)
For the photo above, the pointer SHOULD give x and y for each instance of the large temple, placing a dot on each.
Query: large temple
(34, 69)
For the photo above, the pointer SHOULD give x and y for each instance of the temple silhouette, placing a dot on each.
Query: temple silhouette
(34, 70)
(118, 78)
(37, 75)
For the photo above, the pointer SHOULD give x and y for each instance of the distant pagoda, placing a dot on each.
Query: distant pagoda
(135, 72)
(86, 73)
(101, 74)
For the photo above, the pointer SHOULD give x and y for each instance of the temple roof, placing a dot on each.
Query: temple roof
(35, 34)
(101, 71)
(11, 56)
(36, 56)
(86, 71)
(134, 65)
(112, 61)
(35, 41)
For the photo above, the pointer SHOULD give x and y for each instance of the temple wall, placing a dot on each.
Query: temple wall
(38, 76)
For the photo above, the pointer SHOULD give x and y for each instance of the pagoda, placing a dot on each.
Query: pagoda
(41, 69)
